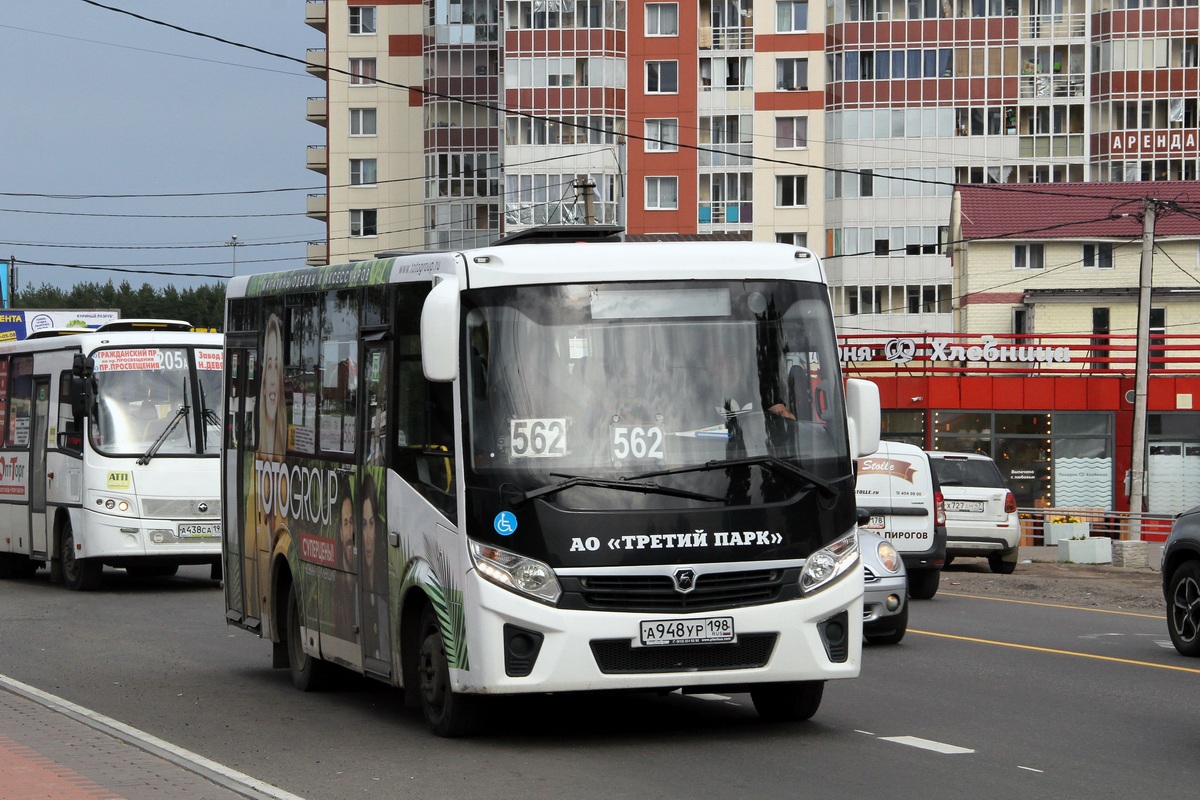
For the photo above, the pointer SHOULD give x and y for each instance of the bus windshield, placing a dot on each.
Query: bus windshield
(146, 402)
(675, 382)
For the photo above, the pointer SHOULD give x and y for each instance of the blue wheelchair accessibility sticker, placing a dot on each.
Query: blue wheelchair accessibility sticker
(505, 523)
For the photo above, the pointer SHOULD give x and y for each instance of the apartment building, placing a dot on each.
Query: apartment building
(925, 94)
(843, 125)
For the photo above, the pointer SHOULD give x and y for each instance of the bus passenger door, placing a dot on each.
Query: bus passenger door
(239, 565)
(37, 466)
(376, 619)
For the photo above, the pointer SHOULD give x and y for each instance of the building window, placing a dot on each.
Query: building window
(662, 135)
(1100, 337)
(362, 122)
(1098, 255)
(364, 222)
(1029, 256)
(362, 20)
(662, 77)
(662, 19)
(662, 194)
(791, 133)
(362, 171)
(791, 74)
(794, 238)
(362, 72)
(791, 191)
(791, 16)
(1158, 344)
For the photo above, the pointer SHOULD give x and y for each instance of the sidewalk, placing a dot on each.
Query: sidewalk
(53, 749)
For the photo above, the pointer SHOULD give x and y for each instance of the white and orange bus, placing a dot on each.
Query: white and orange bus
(110, 451)
(548, 467)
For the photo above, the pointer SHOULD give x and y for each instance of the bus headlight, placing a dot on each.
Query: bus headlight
(826, 564)
(515, 572)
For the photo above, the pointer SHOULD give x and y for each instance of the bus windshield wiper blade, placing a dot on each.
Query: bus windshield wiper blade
(622, 485)
(783, 464)
(162, 437)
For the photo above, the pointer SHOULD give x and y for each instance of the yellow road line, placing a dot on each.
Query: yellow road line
(1057, 605)
(1052, 650)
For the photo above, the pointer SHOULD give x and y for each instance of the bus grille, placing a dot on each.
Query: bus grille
(656, 593)
(617, 656)
(179, 508)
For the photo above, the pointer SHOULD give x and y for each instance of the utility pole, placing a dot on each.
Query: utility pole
(10, 282)
(1137, 465)
(235, 244)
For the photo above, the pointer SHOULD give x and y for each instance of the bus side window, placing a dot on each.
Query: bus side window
(424, 439)
(68, 428)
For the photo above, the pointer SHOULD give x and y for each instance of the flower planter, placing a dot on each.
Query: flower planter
(1055, 532)
(1093, 550)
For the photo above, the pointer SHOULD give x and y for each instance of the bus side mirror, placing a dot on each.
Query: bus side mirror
(82, 388)
(862, 416)
(439, 331)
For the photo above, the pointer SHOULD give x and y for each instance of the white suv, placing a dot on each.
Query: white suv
(981, 513)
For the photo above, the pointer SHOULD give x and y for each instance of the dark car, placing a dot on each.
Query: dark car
(1181, 582)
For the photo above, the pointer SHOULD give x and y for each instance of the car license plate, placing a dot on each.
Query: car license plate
(876, 523)
(206, 530)
(973, 506)
(703, 630)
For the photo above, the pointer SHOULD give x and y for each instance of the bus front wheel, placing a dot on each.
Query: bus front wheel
(309, 674)
(788, 702)
(447, 712)
(79, 574)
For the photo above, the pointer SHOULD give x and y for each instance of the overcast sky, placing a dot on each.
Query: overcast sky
(95, 102)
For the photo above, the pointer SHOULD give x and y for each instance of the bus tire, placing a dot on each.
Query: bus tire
(795, 701)
(79, 574)
(309, 674)
(447, 712)
(7, 565)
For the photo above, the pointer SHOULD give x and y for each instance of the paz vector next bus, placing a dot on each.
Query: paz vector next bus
(547, 467)
(110, 451)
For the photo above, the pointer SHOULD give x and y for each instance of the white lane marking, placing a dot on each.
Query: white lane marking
(860, 730)
(218, 773)
(927, 744)
(709, 696)
(1030, 769)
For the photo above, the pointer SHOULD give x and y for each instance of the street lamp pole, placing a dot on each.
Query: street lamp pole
(234, 243)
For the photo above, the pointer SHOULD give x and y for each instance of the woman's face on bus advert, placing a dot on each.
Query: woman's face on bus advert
(271, 379)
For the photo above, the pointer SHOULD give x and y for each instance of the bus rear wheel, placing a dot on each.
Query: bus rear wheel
(309, 674)
(788, 702)
(79, 574)
(447, 712)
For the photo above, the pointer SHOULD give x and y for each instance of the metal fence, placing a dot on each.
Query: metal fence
(1044, 526)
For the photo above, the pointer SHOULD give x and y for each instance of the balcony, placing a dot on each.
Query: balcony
(317, 158)
(318, 206)
(317, 254)
(318, 62)
(317, 110)
(316, 14)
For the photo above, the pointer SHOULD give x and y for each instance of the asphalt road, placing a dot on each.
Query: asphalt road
(984, 698)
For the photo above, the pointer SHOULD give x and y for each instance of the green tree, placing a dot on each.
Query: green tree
(203, 306)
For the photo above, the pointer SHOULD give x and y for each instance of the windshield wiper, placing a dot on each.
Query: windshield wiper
(826, 487)
(623, 485)
(162, 437)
